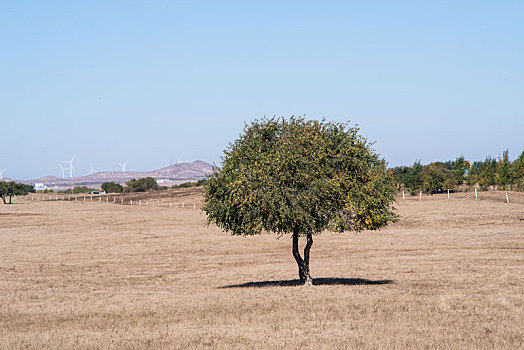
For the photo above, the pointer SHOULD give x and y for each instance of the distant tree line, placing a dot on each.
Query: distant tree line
(199, 183)
(438, 177)
(135, 185)
(79, 189)
(144, 184)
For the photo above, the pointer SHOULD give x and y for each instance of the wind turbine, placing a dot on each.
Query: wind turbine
(2, 173)
(62, 174)
(70, 165)
(92, 171)
(123, 165)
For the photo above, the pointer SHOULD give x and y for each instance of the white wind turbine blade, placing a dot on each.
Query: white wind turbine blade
(123, 166)
(91, 171)
(61, 170)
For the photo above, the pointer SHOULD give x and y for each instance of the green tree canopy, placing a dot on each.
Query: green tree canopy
(434, 176)
(112, 187)
(414, 178)
(10, 189)
(460, 166)
(299, 177)
(79, 189)
(399, 175)
(504, 175)
(488, 172)
(518, 171)
(141, 185)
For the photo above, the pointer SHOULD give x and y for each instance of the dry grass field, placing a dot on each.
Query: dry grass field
(98, 275)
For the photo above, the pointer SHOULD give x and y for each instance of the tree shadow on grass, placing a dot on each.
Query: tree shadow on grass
(327, 281)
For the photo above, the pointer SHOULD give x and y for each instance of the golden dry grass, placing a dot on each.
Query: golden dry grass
(100, 275)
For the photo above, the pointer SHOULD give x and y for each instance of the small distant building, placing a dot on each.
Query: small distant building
(39, 187)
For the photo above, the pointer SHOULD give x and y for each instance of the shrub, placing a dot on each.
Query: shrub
(141, 185)
(112, 187)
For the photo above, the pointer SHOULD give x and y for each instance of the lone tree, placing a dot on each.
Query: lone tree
(299, 177)
(10, 189)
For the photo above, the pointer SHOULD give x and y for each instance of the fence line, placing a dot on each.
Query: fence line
(449, 195)
(194, 206)
(86, 198)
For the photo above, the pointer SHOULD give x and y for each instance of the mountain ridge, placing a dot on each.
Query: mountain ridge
(172, 174)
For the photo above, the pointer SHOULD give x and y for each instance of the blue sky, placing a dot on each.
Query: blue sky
(151, 81)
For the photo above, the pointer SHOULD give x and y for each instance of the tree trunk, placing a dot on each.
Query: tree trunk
(303, 264)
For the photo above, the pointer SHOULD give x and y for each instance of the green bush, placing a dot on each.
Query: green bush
(80, 189)
(141, 185)
(112, 187)
(185, 185)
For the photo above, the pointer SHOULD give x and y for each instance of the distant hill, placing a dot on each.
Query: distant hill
(173, 174)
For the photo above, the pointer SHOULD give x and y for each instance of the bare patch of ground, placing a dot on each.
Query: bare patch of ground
(97, 275)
